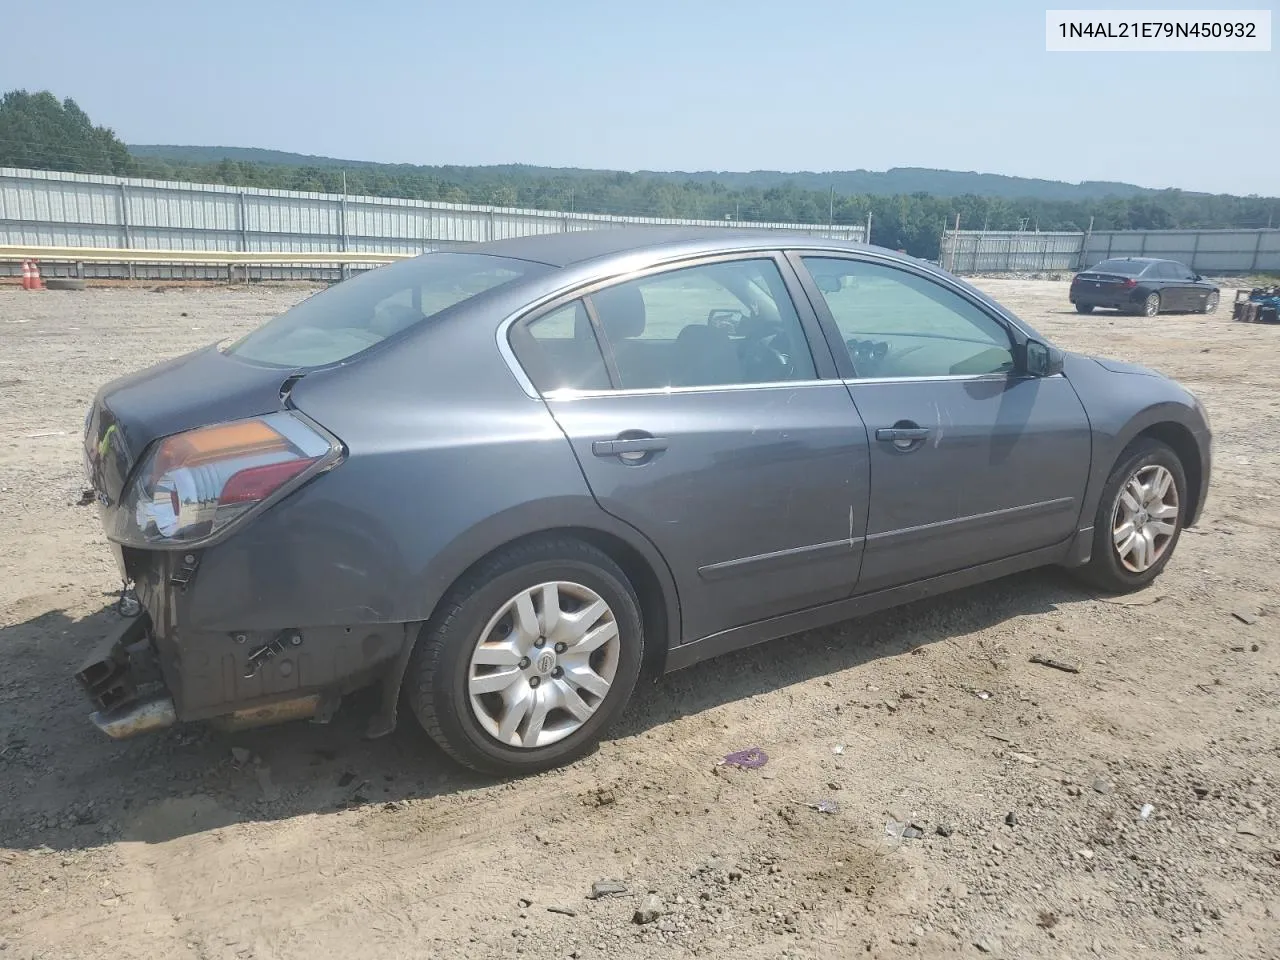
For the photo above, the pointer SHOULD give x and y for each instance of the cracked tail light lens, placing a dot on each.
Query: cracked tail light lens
(193, 485)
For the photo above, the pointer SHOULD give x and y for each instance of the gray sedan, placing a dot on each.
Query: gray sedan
(499, 480)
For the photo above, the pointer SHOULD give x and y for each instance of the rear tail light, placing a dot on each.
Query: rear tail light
(1130, 283)
(194, 485)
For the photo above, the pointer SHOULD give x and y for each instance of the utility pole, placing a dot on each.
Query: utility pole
(867, 238)
(831, 207)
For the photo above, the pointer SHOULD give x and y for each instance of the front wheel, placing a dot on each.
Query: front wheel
(1151, 306)
(1084, 308)
(1210, 303)
(1139, 518)
(529, 659)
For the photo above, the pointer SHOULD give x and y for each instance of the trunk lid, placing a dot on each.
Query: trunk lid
(1105, 279)
(191, 391)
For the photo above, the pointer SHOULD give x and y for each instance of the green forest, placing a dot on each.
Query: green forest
(39, 131)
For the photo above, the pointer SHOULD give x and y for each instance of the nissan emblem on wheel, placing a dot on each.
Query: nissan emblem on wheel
(494, 483)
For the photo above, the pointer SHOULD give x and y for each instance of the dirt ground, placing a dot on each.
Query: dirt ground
(1029, 784)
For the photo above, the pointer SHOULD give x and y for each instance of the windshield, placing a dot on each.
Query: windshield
(352, 316)
(1126, 268)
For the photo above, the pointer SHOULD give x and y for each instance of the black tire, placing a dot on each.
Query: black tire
(436, 679)
(1104, 569)
(1210, 304)
(1084, 308)
(1150, 307)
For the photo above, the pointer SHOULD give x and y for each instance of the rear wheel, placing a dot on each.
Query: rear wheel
(1151, 306)
(1210, 303)
(1084, 308)
(529, 659)
(1139, 518)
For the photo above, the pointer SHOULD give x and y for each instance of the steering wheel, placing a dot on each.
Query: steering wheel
(767, 359)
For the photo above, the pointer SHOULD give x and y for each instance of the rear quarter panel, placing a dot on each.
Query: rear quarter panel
(448, 458)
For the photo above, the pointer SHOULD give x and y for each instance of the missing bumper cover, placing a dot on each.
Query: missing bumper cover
(106, 674)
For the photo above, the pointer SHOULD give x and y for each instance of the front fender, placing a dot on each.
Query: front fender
(1126, 402)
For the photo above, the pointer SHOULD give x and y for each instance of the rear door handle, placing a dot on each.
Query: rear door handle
(901, 434)
(635, 447)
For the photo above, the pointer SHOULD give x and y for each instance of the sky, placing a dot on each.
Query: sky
(660, 85)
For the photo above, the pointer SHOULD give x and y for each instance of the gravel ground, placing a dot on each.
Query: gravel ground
(1126, 810)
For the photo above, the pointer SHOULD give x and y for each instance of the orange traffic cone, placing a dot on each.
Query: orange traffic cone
(26, 274)
(36, 282)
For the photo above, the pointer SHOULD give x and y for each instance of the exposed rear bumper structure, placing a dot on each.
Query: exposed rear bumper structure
(121, 680)
(139, 679)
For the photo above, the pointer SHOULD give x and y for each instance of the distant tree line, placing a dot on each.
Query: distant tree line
(36, 130)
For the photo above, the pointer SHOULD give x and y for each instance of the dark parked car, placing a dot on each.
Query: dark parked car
(501, 480)
(1143, 285)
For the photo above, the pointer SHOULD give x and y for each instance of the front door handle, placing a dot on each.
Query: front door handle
(629, 448)
(902, 434)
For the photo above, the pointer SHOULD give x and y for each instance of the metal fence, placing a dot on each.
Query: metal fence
(976, 251)
(1205, 251)
(51, 209)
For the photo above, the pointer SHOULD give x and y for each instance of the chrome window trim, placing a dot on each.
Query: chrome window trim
(571, 394)
(752, 252)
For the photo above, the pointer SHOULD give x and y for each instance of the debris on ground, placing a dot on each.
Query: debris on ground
(269, 790)
(903, 830)
(944, 830)
(600, 797)
(649, 910)
(1103, 786)
(826, 806)
(1056, 664)
(838, 749)
(564, 911)
(748, 759)
(1146, 811)
(1011, 819)
(1245, 616)
(607, 888)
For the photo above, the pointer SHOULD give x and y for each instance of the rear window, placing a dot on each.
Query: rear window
(1126, 268)
(352, 316)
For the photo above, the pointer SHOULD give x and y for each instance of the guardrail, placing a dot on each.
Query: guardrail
(227, 265)
(13, 253)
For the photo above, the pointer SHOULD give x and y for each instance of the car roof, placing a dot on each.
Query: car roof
(567, 249)
(1140, 259)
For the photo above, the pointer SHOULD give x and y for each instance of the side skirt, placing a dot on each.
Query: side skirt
(687, 654)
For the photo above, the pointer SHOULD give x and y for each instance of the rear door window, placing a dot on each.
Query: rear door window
(559, 351)
(1126, 268)
(350, 317)
(714, 324)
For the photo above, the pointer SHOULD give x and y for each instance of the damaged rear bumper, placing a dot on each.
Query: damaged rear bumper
(128, 701)
(167, 666)
(122, 679)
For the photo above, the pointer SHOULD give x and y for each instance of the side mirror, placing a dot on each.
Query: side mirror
(1041, 360)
